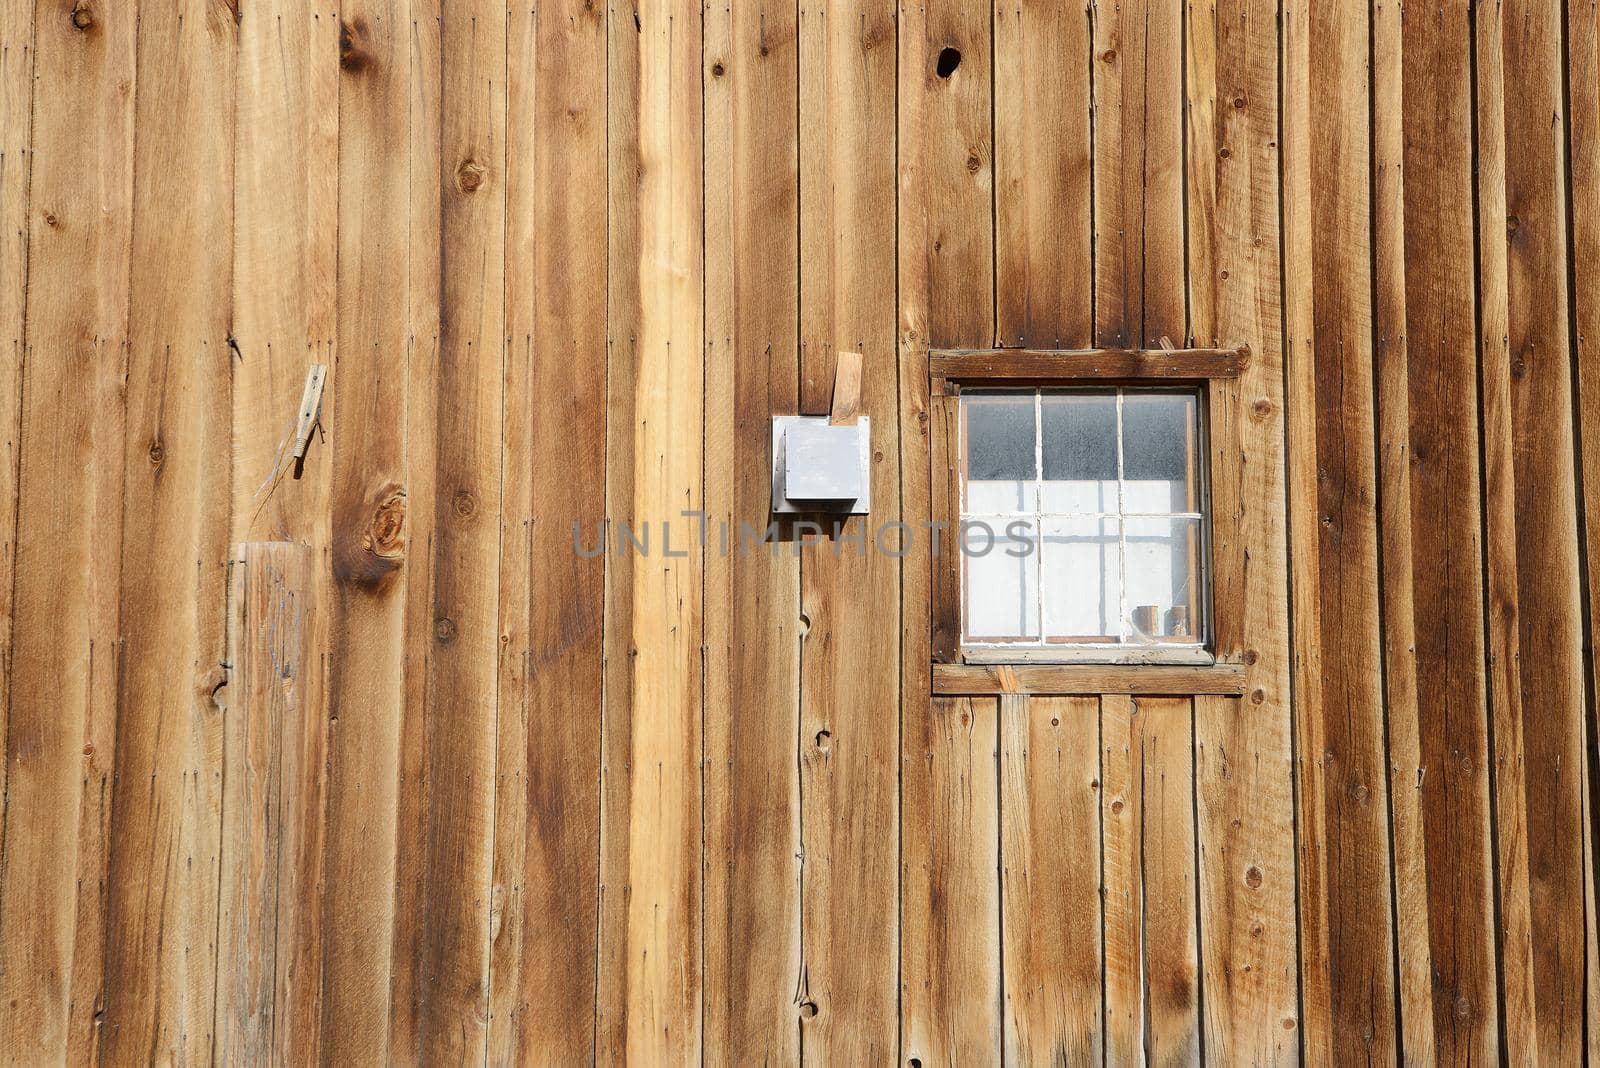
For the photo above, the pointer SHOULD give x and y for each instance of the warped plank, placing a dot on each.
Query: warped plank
(650, 973)
(268, 731)
(548, 823)
(850, 669)
(1438, 717)
(284, 320)
(1535, 639)
(1242, 773)
(752, 612)
(1347, 955)
(1044, 239)
(950, 945)
(1050, 840)
(161, 918)
(60, 737)
(372, 541)
(945, 257)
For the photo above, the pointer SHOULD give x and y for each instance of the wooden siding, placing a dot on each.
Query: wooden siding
(362, 760)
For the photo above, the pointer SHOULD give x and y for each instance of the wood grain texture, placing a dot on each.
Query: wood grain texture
(1242, 761)
(548, 822)
(1044, 232)
(850, 591)
(65, 589)
(371, 536)
(1050, 832)
(269, 856)
(1530, 364)
(161, 919)
(753, 619)
(1346, 937)
(1434, 657)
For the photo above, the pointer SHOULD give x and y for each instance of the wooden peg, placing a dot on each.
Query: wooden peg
(310, 412)
(846, 389)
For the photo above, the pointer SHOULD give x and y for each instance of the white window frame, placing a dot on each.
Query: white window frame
(1027, 650)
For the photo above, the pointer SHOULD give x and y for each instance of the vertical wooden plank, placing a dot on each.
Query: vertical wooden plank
(285, 319)
(1434, 654)
(850, 589)
(463, 452)
(1044, 242)
(1531, 369)
(1167, 834)
(268, 729)
(949, 912)
(547, 827)
(1503, 630)
(753, 624)
(370, 536)
(16, 136)
(950, 942)
(1583, 89)
(60, 738)
(161, 919)
(1242, 771)
(1122, 876)
(1347, 963)
(1138, 171)
(650, 989)
(1050, 833)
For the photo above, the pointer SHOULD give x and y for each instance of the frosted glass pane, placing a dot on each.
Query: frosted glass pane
(1082, 565)
(1080, 452)
(1000, 561)
(1159, 446)
(1000, 439)
(1163, 565)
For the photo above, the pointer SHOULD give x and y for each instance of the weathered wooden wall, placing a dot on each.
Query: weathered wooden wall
(369, 765)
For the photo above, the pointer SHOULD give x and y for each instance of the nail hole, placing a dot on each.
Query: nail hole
(949, 60)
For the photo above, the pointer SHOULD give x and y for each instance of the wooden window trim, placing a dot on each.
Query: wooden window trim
(1215, 372)
(1151, 680)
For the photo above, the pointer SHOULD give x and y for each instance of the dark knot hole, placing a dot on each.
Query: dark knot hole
(949, 60)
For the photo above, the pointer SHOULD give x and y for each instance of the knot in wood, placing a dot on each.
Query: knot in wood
(82, 15)
(470, 176)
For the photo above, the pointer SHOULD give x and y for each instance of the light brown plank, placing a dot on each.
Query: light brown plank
(16, 137)
(161, 916)
(651, 991)
(270, 728)
(1044, 258)
(945, 254)
(950, 945)
(60, 738)
(1520, 102)
(1122, 875)
(547, 827)
(284, 319)
(753, 621)
(1172, 958)
(1347, 954)
(850, 593)
(1242, 773)
(1050, 827)
(372, 544)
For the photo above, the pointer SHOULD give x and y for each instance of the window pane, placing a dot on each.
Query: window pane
(1080, 452)
(1163, 580)
(1082, 570)
(1000, 558)
(1000, 451)
(1158, 452)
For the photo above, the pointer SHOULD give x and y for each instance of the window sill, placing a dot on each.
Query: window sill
(1173, 654)
(958, 680)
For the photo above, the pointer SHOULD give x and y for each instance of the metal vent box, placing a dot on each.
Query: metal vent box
(820, 467)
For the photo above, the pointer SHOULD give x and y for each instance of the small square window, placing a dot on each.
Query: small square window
(1083, 525)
